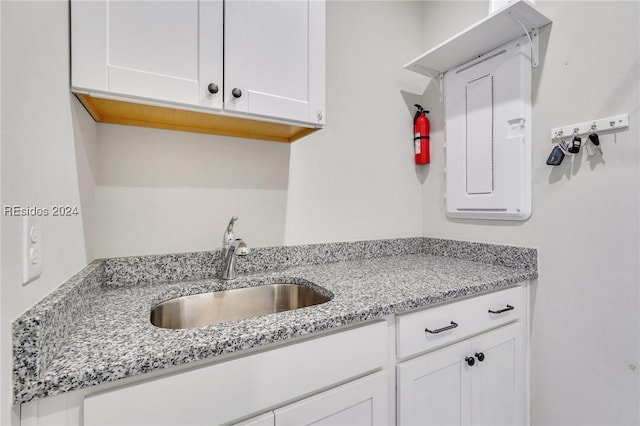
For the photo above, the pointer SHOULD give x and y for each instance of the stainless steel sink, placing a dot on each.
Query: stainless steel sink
(199, 310)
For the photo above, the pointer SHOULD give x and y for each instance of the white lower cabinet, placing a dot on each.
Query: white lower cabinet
(230, 390)
(479, 381)
(363, 402)
(430, 390)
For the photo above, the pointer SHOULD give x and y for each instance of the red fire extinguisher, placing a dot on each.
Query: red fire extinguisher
(421, 135)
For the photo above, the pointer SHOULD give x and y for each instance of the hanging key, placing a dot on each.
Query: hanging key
(576, 142)
(562, 144)
(556, 156)
(595, 140)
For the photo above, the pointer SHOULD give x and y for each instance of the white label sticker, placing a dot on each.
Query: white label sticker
(416, 146)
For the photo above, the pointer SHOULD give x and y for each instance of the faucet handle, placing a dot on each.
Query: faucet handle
(228, 237)
(231, 222)
(242, 249)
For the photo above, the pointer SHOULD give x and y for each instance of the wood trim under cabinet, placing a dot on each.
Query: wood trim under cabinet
(134, 114)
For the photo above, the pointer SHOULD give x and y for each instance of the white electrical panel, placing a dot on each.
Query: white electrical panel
(488, 135)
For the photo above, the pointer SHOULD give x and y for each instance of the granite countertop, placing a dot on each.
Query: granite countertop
(111, 337)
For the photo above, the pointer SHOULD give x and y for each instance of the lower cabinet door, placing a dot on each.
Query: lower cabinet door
(433, 389)
(497, 391)
(361, 402)
(479, 381)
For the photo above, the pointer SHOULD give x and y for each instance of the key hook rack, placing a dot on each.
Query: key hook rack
(575, 132)
(601, 125)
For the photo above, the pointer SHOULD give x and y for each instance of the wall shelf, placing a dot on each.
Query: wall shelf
(493, 31)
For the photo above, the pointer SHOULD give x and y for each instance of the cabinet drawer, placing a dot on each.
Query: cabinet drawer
(433, 327)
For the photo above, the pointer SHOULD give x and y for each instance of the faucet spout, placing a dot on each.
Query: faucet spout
(231, 247)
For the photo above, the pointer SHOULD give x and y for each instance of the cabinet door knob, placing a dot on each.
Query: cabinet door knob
(470, 361)
(480, 356)
(213, 88)
(236, 92)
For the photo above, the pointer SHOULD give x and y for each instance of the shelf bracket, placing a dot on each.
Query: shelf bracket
(533, 37)
(535, 48)
(440, 84)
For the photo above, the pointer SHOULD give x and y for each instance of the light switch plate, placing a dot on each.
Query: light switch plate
(31, 248)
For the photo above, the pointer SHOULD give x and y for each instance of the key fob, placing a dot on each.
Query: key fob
(593, 137)
(556, 156)
(574, 148)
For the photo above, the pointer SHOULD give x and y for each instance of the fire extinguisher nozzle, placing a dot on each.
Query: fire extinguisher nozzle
(421, 109)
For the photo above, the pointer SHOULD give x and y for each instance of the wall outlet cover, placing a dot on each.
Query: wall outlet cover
(31, 248)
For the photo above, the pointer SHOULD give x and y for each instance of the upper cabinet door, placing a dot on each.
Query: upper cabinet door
(274, 58)
(161, 50)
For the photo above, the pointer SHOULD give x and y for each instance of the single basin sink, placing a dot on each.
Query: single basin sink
(199, 310)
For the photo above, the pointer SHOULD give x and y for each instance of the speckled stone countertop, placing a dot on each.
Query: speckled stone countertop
(101, 316)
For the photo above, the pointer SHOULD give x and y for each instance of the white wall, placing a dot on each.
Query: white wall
(144, 191)
(356, 180)
(353, 180)
(44, 160)
(162, 191)
(586, 213)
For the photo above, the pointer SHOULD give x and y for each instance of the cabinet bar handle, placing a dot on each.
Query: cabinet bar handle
(508, 308)
(440, 330)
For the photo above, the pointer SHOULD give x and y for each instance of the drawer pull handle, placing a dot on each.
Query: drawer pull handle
(440, 330)
(508, 308)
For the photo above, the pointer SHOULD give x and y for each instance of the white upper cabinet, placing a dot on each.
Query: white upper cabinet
(161, 50)
(258, 59)
(274, 58)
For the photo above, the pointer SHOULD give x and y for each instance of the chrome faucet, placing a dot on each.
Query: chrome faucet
(231, 247)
